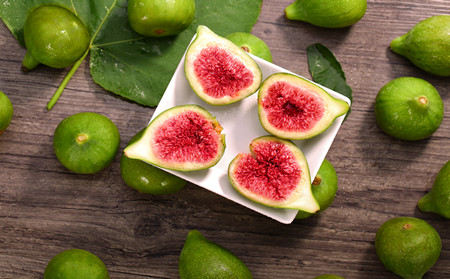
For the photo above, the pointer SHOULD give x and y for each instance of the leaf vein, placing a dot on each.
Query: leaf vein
(103, 21)
(117, 42)
(73, 8)
(124, 62)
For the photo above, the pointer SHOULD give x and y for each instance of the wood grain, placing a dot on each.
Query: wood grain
(45, 209)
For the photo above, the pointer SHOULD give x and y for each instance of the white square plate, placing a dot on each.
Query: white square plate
(241, 125)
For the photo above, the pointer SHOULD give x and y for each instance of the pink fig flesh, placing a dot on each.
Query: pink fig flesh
(275, 173)
(218, 71)
(292, 108)
(220, 74)
(272, 177)
(183, 138)
(187, 137)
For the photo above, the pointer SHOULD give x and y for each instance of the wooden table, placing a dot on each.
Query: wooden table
(45, 209)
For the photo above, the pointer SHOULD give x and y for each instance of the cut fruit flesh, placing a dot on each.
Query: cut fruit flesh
(291, 107)
(184, 138)
(218, 71)
(275, 174)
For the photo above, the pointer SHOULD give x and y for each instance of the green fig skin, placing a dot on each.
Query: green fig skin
(76, 263)
(202, 258)
(427, 45)
(86, 142)
(251, 44)
(55, 37)
(327, 13)
(407, 246)
(438, 199)
(324, 188)
(409, 108)
(6, 112)
(160, 18)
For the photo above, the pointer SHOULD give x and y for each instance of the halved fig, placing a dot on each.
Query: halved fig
(219, 71)
(183, 138)
(291, 107)
(275, 174)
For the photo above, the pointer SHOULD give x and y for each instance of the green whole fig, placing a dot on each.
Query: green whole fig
(407, 246)
(427, 45)
(55, 37)
(6, 112)
(160, 18)
(86, 142)
(251, 44)
(75, 264)
(409, 108)
(327, 13)
(202, 258)
(438, 199)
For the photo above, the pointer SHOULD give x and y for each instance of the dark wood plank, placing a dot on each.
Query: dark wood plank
(45, 209)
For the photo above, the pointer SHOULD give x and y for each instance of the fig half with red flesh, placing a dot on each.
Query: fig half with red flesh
(275, 173)
(219, 71)
(183, 138)
(292, 107)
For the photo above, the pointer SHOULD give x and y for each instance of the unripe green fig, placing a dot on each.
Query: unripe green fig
(202, 258)
(86, 142)
(55, 37)
(160, 18)
(408, 246)
(438, 199)
(327, 13)
(409, 108)
(251, 44)
(427, 45)
(76, 263)
(6, 112)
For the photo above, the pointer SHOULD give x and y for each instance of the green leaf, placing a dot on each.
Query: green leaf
(124, 62)
(326, 70)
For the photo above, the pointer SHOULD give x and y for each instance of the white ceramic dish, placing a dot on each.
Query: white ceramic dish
(241, 125)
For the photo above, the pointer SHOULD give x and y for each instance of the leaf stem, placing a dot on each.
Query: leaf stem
(66, 80)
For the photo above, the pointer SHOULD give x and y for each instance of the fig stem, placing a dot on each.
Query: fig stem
(81, 138)
(294, 11)
(397, 45)
(426, 204)
(317, 180)
(29, 62)
(420, 103)
(406, 226)
(65, 81)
